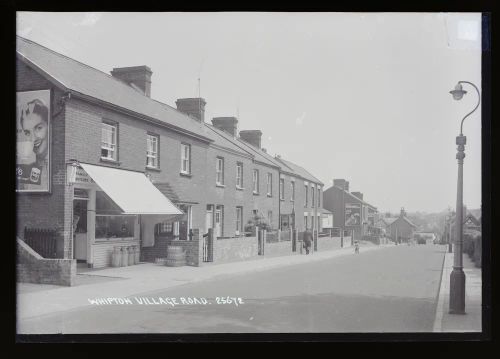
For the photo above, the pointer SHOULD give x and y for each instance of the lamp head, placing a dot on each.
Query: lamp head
(458, 92)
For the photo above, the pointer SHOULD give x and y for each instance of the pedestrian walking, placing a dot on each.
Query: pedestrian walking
(308, 238)
(356, 247)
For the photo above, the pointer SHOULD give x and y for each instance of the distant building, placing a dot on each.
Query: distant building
(402, 228)
(349, 209)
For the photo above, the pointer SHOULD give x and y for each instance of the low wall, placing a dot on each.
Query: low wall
(329, 243)
(278, 249)
(33, 268)
(159, 250)
(235, 249)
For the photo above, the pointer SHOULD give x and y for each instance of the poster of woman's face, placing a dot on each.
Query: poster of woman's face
(33, 141)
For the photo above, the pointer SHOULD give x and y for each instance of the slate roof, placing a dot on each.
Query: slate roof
(80, 78)
(300, 171)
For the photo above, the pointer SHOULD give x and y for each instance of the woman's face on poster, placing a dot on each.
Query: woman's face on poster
(36, 130)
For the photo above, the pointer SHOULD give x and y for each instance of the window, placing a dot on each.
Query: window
(219, 168)
(255, 181)
(306, 192)
(282, 189)
(239, 175)
(270, 218)
(312, 196)
(269, 184)
(152, 151)
(108, 141)
(319, 197)
(110, 223)
(185, 158)
(292, 184)
(305, 222)
(239, 220)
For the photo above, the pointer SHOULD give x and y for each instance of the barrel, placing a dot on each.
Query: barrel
(176, 256)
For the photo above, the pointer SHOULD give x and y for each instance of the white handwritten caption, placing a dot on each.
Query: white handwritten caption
(171, 301)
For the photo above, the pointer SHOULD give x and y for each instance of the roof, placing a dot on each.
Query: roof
(81, 79)
(236, 144)
(351, 195)
(300, 171)
(325, 211)
(388, 220)
(167, 191)
(404, 218)
(222, 139)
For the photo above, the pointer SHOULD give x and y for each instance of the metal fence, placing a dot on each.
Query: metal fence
(42, 241)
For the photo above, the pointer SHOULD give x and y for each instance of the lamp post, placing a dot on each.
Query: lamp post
(457, 276)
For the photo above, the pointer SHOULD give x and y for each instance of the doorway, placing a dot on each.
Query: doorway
(80, 230)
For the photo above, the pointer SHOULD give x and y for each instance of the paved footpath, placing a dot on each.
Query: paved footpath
(35, 300)
(382, 289)
(471, 321)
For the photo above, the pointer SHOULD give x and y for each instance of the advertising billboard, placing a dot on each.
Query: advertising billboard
(352, 214)
(33, 141)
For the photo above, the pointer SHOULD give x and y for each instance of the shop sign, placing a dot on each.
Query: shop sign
(82, 177)
(33, 137)
(352, 214)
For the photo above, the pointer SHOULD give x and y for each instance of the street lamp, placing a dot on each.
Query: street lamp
(457, 276)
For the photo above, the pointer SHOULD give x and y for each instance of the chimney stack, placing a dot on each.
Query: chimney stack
(138, 77)
(194, 107)
(358, 194)
(227, 124)
(342, 183)
(253, 137)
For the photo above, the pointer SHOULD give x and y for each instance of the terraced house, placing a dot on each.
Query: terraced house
(127, 171)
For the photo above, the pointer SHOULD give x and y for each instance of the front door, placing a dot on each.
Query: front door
(209, 222)
(80, 229)
(218, 223)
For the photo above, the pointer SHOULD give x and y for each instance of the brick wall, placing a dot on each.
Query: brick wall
(160, 249)
(235, 249)
(278, 249)
(45, 210)
(32, 268)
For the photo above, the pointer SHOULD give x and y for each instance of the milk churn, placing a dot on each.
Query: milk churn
(131, 256)
(116, 257)
(124, 256)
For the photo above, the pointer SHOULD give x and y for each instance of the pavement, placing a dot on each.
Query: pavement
(381, 289)
(471, 321)
(35, 300)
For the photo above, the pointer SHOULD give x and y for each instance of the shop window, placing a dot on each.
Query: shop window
(110, 222)
(152, 143)
(109, 141)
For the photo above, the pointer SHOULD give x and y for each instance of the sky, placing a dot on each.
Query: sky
(359, 96)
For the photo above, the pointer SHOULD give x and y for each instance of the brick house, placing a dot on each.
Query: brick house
(214, 176)
(349, 209)
(402, 229)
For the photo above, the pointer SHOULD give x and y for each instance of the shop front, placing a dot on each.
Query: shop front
(113, 208)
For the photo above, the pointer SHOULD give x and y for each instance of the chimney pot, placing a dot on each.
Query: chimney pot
(253, 137)
(192, 106)
(138, 77)
(227, 124)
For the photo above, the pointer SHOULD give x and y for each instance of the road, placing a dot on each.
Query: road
(390, 290)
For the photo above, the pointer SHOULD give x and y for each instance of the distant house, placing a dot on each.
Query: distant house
(385, 224)
(402, 228)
